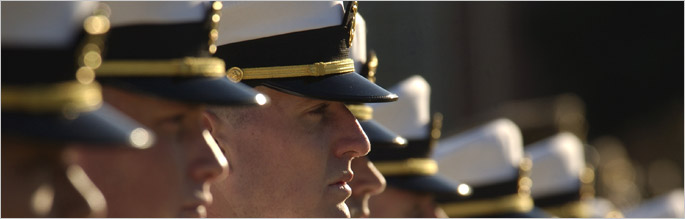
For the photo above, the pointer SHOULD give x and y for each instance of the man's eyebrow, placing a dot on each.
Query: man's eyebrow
(304, 103)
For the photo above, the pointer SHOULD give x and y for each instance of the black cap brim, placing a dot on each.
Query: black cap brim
(379, 134)
(433, 184)
(102, 127)
(347, 87)
(200, 90)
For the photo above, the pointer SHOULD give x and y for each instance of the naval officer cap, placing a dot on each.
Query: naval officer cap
(379, 136)
(48, 87)
(490, 159)
(300, 48)
(164, 49)
(563, 181)
(412, 167)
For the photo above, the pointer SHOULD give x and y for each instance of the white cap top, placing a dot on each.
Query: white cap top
(558, 162)
(669, 205)
(409, 116)
(484, 155)
(43, 24)
(241, 21)
(131, 13)
(358, 50)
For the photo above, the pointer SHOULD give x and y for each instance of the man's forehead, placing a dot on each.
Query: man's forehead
(293, 100)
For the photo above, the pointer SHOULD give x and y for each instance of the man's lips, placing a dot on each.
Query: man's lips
(342, 187)
(346, 177)
(341, 183)
(197, 206)
(193, 211)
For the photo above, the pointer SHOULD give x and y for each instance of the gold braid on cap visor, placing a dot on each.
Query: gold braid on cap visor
(67, 96)
(412, 166)
(317, 69)
(185, 67)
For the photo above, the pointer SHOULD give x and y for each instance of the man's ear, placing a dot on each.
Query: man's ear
(211, 121)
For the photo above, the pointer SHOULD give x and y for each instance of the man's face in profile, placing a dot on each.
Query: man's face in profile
(38, 180)
(169, 179)
(288, 159)
(367, 181)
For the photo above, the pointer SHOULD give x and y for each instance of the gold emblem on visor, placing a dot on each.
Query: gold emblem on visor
(353, 13)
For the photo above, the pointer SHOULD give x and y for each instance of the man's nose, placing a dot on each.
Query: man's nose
(369, 179)
(351, 140)
(378, 182)
(207, 162)
(75, 195)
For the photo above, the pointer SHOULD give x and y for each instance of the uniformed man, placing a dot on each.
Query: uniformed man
(411, 173)
(563, 181)
(490, 159)
(291, 158)
(158, 70)
(367, 179)
(49, 100)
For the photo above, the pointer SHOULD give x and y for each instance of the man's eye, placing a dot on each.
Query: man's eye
(321, 109)
(176, 119)
(171, 122)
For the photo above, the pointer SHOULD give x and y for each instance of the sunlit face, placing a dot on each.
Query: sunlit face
(367, 181)
(39, 181)
(288, 159)
(169, 179)
(399, 203)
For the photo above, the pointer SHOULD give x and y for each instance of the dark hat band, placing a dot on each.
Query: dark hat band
(491, 191)
(558, 199)
(498, 198)
(184, 46)
(328, 44)
(414, 149)
(31, 65)
(157, 41)
(299, 48)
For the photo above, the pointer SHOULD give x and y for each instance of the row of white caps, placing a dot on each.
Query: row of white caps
(240, 20)
(486, 154)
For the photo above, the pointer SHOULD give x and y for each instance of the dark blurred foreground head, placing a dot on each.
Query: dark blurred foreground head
(49, 101)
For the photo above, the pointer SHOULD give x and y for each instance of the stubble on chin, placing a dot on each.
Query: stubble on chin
(354, 207)
(343, 210)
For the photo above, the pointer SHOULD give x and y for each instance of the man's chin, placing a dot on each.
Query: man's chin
(342, 211)
(355, 208)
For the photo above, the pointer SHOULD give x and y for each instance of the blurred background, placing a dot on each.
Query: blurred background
(610, 72)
